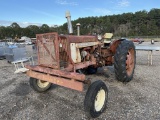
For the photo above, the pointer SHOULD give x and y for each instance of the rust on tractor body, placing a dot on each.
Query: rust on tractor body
(60, 73)
(48, 50)
(78, 39)
(60, 56)
(55, 63)
(69, 83)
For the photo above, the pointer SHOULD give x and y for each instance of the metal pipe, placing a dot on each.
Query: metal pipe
(78, 29)
(68, 16)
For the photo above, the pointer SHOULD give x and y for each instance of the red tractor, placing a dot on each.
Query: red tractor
(64, 60)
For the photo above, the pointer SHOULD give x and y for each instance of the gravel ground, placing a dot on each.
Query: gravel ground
(136, 100)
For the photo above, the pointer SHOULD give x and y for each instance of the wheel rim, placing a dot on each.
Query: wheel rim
(42, 84)
(100, 99)
(130, 61)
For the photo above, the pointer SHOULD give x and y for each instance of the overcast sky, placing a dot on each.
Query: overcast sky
(52, 12)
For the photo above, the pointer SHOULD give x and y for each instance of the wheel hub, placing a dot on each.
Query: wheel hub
(100, 99)
(42, 84)
(130, 61)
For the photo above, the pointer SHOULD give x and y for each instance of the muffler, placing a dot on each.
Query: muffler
(68, 16)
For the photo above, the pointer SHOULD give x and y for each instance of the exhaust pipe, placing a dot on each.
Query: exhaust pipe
(78, 29)
(68, 16)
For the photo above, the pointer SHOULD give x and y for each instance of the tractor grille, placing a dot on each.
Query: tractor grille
(48, 50)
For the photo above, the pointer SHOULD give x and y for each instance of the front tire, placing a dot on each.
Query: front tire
(39, 85)
(96, 99)
(124, 61)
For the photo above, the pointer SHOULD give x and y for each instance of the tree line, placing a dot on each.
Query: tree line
(141, 23)
(15, 31)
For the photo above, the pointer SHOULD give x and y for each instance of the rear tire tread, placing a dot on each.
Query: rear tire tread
(120, 61)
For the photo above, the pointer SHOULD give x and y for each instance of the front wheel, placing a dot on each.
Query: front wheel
(39, 85)
(96, 99)
(124, 61)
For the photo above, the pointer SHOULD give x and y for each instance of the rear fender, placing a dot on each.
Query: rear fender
(113, 45)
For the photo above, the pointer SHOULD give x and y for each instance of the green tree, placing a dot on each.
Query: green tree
(33, 30)
(44, 28)
(16, 30)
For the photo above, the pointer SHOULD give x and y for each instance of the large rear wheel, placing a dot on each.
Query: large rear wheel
(124, 61)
